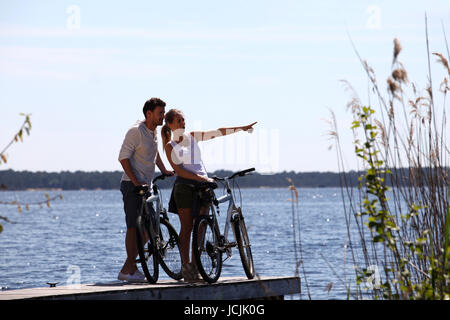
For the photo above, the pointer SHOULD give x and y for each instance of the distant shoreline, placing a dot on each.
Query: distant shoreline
(163, 188)
(110, 180)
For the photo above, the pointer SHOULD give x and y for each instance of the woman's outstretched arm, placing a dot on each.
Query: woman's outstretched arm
(211, 134)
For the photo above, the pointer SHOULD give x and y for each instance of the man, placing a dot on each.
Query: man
(138, 156)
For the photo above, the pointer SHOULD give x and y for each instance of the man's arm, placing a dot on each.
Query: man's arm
(126, 165)
(126, 152)
(161, 166)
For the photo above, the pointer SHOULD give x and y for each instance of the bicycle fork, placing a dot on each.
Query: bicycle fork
(226, 245)
(153, 220)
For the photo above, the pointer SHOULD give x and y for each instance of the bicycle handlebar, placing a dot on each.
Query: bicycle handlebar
(239, 173)
(141, 190)
(161, 177)
(242, 173)
(206, 185)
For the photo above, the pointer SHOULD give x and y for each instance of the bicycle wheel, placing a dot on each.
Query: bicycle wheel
(243, 242)
(169, 251)
(205, 239)
(146, 249)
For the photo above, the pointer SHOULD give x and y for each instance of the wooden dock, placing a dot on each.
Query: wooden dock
(227, 288)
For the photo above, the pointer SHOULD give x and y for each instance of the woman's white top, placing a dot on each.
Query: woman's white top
(187, 155)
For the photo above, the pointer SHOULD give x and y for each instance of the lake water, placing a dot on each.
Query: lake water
(84, 234)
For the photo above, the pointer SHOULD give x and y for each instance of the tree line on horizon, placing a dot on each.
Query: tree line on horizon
(67, 180)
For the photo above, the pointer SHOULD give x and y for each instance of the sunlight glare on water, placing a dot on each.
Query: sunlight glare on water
(87, 229)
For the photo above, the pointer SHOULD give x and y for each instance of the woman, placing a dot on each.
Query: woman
(183, 154)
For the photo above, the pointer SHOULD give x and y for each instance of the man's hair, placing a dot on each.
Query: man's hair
(151, 104)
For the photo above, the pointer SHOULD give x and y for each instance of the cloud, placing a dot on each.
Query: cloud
(74, 63)
(286, 33)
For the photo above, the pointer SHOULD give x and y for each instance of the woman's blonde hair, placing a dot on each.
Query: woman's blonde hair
(166, 133)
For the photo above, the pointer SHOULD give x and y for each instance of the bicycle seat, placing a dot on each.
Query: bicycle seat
(207, 185)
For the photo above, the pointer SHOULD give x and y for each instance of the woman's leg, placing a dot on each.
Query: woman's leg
(202, 211)
(186, 221)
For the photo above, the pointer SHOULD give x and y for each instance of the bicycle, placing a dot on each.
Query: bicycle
(157, 240)
(209, 244)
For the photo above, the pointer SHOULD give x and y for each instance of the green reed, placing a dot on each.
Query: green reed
(398, 218)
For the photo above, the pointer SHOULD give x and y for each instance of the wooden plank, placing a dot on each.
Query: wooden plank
(227, 288)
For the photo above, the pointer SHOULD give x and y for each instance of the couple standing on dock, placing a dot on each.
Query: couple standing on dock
(138, 156)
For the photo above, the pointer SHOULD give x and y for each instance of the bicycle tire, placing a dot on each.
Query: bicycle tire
(147, 249)
(243, 243)
(208, 256)
(169, 251)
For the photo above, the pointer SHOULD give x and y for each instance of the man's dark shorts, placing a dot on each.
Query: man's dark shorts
(131, 203)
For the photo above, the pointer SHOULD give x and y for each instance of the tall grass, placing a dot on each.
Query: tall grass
(398, 219)
(297, 239)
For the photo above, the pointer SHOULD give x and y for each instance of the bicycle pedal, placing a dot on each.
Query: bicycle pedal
(224, 249)
(227, 246)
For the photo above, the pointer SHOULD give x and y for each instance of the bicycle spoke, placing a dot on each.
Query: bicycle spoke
(169, 251)
(206, 251)
(147, 258)
(244, 246)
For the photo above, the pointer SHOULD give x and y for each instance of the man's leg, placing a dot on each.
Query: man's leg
(131, 205)
(129, 266)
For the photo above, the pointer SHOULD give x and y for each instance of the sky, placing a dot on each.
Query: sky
(83, 70)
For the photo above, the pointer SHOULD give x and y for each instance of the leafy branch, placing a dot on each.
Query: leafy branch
(26, 126)
(28, 204)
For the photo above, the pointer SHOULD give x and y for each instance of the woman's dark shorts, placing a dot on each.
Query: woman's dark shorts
(184, 196)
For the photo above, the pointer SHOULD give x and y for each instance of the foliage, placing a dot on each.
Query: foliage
(26, 127)
(403, 228)
(415, 266)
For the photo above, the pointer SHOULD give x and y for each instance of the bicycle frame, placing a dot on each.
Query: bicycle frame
(155, 197)
(157, 239)
(232, 209)
(209, 243)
